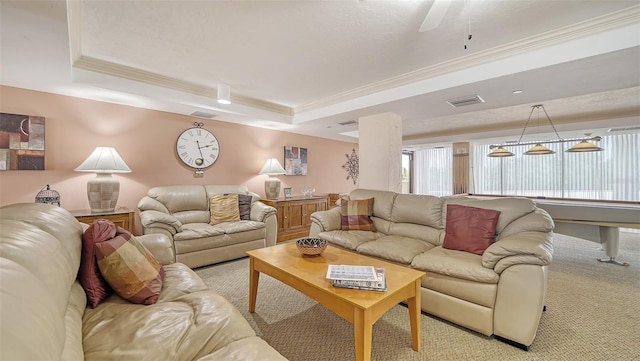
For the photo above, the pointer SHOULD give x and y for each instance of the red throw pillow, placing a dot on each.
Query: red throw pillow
(95, 286)
(470, 229)
(130, 268)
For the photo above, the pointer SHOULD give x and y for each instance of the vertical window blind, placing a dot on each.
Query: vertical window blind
(434, 171)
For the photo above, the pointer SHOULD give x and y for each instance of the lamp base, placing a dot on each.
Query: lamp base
(272, 188)
(103, 192)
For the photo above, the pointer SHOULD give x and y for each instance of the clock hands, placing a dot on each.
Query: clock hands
(200, 160)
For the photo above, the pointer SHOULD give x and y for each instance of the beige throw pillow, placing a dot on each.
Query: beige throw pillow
(224, 208)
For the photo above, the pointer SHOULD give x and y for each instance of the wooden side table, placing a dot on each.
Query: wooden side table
(294, 214)
(121, 217)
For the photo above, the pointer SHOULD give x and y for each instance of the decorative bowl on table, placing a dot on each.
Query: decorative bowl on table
(311, 246)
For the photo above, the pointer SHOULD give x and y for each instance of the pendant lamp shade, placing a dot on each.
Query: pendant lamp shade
(539, 149)
(583, 147)
(500, 152)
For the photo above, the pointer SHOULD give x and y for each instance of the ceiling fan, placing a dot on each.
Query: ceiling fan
(435, 15)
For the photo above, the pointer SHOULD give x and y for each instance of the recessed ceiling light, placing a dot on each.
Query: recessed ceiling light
(518, 91)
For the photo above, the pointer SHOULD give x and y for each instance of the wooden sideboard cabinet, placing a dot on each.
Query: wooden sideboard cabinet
(294, 215)
(121, 217)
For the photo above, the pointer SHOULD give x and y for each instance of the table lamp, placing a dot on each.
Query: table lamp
(103, 190)
(272, 185)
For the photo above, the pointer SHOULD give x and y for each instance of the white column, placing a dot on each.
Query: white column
(380, 147)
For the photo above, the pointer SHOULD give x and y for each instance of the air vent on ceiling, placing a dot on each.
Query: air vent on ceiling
(348, 122)
(206, 115)
(623, 129)
(468, 100)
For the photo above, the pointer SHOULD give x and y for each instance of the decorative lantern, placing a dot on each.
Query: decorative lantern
(48, 196)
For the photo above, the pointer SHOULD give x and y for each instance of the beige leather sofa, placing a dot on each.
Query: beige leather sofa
(44, 314)
(182, 213)
(501, 292)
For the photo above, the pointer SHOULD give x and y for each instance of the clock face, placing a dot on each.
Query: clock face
(197, 148)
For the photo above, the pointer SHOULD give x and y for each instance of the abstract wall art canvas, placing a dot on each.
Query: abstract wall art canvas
(21, 142)
(295, 160)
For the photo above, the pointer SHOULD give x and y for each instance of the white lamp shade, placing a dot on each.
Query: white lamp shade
(104, 160)
(272, 167)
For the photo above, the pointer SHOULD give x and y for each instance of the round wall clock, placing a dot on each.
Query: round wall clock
(197, 147)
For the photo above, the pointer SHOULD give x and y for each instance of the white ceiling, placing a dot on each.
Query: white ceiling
(306, 66)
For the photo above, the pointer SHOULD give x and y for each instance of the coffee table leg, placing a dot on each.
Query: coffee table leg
(254, 276)
(363, 333)
(413, 304)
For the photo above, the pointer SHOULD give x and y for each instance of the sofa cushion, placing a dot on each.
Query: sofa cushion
(187, 322)
(224, 208)
(512, 208)
(470, 229)
(395, 248)
(95, 286)
(130, 268)
(456, 264)
(356, 215)
(349, 239)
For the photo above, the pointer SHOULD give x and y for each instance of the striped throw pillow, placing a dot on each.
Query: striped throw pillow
(224, 208)
(356, 215)
(129, 268)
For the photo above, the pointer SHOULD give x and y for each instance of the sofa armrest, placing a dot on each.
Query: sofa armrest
(261, 212)
(324, 221)
(157, 219)
(160, 246)
(535, 248)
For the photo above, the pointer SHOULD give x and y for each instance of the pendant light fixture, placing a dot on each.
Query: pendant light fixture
(499, 150)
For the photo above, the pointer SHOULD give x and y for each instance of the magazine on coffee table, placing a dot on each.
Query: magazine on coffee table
(351, 273)
(379, 285)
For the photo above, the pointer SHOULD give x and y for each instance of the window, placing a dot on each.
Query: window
(612, 174)
(407, 170)
(434, 171)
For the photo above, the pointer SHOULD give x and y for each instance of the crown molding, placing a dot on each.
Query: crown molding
(146, 77)
(592, 26)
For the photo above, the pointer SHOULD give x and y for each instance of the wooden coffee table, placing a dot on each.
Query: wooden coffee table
(362, 308)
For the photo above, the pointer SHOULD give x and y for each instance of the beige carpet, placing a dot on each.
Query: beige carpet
(593, 313)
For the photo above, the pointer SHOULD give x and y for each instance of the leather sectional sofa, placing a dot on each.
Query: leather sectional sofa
(183, 214)
(44, 313)
(500, 291)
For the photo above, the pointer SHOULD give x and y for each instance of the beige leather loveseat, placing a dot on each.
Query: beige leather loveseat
(44, 313)
(499, 292)
(182, 213)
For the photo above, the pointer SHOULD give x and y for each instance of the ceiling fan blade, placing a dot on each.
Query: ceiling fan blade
(435, 15)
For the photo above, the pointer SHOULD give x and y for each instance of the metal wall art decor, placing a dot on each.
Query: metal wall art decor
(21, 142)
(352, 166)
(295, 160)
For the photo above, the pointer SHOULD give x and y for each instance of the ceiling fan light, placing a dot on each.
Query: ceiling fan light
(500, 152)
(539, 149)
(584, 147)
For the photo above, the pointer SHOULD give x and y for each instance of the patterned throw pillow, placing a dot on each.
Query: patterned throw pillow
(95, 286)
(356, 215)
(244, 205)
(224, 208)
(131, 270)
(470, 229)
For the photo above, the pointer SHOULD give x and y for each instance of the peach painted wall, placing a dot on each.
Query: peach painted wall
(146, 141)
